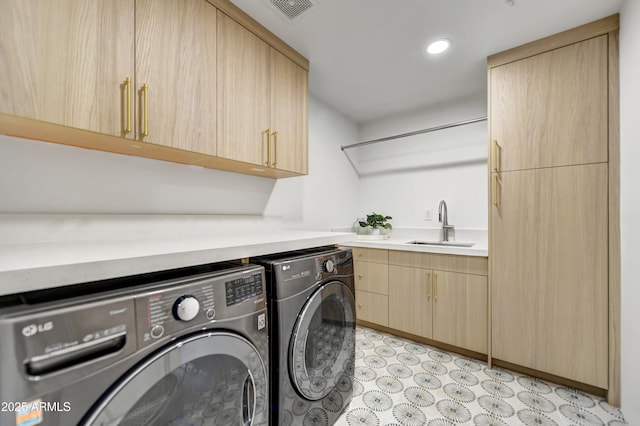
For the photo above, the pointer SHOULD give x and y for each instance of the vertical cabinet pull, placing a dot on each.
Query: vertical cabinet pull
(268, 132)
(275, 148)
(435, 286)
(495, 190)
(429, 285)
(145, 110)
(496, 147)
(127, 94)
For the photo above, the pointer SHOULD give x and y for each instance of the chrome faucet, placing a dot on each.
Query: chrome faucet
(442, 218)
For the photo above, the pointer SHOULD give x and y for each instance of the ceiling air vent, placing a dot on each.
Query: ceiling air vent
(292, 8)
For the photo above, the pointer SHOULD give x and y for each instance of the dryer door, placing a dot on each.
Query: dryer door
(322, 346)
(208, 378)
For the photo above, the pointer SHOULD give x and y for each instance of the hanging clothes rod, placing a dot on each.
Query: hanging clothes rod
(417, 132)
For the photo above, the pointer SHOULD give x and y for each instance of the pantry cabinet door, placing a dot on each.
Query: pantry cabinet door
(551, 109)
(66, 61)
(549, 266)
(176, 60)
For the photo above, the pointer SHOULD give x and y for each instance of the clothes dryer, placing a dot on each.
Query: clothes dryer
(312, 327)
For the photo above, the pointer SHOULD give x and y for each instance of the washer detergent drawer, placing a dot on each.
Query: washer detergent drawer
(70, 337)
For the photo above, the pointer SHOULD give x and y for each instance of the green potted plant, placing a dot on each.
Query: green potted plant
(376, 222)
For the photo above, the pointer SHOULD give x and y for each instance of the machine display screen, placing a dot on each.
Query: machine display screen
(241, 289)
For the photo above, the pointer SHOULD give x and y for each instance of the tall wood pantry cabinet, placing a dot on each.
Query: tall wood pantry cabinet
(553, 153)
(161, 79)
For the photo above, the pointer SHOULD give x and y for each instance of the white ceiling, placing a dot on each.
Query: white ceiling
(366, 56)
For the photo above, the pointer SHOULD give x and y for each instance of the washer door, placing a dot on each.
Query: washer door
(209, 378)
(322, 346)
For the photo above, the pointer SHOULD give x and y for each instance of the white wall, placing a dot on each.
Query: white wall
(327, 197)
(630, 207)
(38, 177)
(404, 177)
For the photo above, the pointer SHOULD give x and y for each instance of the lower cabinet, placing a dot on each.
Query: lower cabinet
(447, 307)
(371, 273)
(372, 307)
(443, 298)
(460, 310)
(410, 306)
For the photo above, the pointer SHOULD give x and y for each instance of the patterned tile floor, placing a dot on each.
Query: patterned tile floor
(400, 382)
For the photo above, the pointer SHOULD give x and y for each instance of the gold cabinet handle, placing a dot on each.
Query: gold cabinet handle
(359, 306)
(275, 148)
(435, 286)
(268, 132)
(428, 285)
(145, 110)
(360, 276)
(495, 190)
(496, 147)
(127, 94)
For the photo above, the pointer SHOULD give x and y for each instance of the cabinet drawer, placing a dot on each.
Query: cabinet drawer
(443, 262)
(372, 307)
(371, 255)
(373, 277)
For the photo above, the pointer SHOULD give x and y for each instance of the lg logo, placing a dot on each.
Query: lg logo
(33, 329)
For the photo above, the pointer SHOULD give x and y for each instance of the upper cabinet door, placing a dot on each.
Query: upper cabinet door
(243, 94)
(176, 60)
(66, 62)
(288, 90)
(550, 109)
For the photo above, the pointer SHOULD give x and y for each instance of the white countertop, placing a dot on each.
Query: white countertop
(399, 239)
(62, 250)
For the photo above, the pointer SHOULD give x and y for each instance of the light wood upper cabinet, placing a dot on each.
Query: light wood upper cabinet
(243, 93)
(551, 109)
(262, 101)
(549, 255)
(166, 75)
(288, 91)
(176, 60)
(66, 61)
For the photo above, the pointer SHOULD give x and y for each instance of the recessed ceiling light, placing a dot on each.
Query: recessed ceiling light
(438, 46)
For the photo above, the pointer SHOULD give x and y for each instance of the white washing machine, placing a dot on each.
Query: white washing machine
(187, 347)
(312, 327)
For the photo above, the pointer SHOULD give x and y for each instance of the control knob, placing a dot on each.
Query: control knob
(328, 265)
(186, 308)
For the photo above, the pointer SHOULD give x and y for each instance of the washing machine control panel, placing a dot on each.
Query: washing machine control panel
(198, 301)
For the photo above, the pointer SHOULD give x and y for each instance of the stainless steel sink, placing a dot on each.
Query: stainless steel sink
(442, 243)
